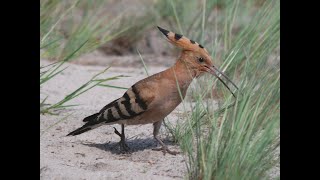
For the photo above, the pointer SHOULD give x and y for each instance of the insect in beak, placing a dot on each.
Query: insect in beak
(216, 72)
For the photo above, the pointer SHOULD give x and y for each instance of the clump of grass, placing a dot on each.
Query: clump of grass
(237, 142)
(50, 71)
(240, 143)
(69, 29)
(64, 25)
(94, 81)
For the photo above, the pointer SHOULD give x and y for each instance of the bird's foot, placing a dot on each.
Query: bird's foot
(124, 148)
(165, 149)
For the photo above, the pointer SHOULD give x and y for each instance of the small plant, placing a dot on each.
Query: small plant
(63, 38)
(239, 140)
(44, 108)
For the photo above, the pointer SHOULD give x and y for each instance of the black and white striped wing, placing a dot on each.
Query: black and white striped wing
(130, 105)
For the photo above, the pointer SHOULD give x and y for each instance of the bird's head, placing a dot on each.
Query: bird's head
(195, 56)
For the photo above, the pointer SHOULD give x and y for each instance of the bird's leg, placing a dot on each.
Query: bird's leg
(164, 148)
(123, 146)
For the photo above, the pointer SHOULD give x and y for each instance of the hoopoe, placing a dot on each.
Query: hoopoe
(151, 99)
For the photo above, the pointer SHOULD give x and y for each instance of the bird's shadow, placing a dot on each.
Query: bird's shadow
(135, 145)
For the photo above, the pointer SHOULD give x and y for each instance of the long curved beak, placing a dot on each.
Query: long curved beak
(216, 72)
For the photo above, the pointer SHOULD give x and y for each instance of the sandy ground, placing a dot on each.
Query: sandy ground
(94, 155)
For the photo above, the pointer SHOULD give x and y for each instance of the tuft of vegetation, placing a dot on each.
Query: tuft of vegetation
(239, 142)
(69, 29)
(66, 25)
(93, 82)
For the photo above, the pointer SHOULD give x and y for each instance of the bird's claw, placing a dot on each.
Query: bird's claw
(124, 148)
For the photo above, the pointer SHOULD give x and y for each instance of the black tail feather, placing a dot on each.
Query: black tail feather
(90, 124)
(79, 131)
(89, 118)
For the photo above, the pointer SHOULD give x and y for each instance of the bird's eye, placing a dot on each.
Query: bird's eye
(200, 59)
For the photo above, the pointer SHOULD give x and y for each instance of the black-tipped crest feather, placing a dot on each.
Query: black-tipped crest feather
(177, 36)
(165, 32)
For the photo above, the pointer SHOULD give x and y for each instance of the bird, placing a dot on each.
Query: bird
(151, 99)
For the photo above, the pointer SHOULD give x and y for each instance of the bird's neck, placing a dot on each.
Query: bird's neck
(182, 75)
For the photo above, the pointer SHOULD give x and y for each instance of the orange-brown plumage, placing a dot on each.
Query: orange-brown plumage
(150, 100)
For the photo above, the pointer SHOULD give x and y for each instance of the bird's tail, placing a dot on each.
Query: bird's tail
(90, 118)
(92, 123)
(79, 131)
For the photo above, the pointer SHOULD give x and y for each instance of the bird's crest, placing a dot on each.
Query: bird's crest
(188, 44)
(183, 42)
